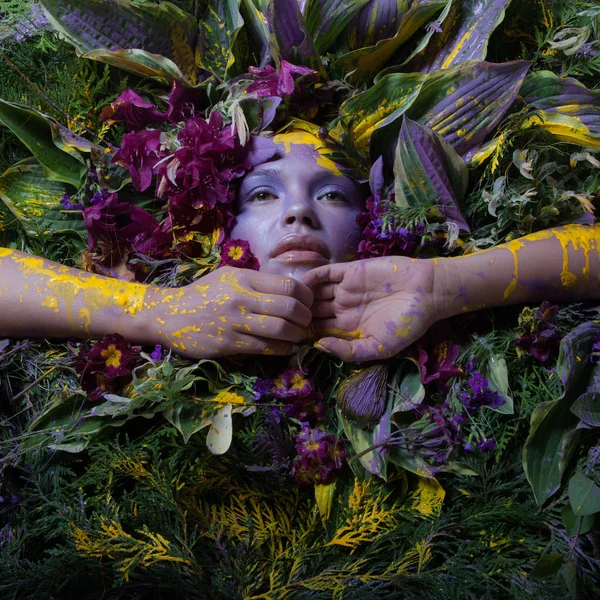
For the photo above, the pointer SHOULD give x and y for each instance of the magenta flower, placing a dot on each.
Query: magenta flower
(107, 366)
(237, 253)
(133, 110)
(321, 457)
(439, 365)
(539, 336)
(309, 410)
(185, 103)
(139, 152)
(268, 82)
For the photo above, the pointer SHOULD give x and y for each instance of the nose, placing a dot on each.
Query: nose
(300, 211)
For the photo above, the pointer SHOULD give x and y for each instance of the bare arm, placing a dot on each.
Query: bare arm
(230, 311)
(377, 307)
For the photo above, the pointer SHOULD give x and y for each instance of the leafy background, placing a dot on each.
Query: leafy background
(142, 514)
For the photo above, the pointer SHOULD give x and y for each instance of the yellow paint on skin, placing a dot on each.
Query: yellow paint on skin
(4, 252)
(357, 334)
(223, 319)
(161, 321)
(242, 309)
(180, 332)
(513, 247)
(85, 316)
(308, 139)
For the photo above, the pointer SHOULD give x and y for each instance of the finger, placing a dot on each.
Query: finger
(268, 283)
(290, 309)
(323, 309)
(257, 345)
(327, 273)
(353, 350)
(325, 291)
(271, 328)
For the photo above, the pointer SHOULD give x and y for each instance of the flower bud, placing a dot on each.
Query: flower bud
(362, 396)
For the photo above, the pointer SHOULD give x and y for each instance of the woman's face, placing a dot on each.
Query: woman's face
(298, 211)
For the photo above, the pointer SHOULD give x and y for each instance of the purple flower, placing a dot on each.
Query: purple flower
(292, 383)
(184, 103)
(66, 202)
(309, 410)
(321, 457)
(440, 365)
(133, 110)
(156, 356)
(539, 336)
(268, 82)
(486, 444)
(139, 152)
(262, 388)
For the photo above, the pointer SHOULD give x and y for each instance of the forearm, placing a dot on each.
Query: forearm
(561, 264)
(39, 298)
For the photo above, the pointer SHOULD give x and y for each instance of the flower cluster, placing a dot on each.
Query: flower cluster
(107, 366)
(302, 401)
(382, 236)
(537, 332)
(321, 457)
(478, 392)
(440, 364)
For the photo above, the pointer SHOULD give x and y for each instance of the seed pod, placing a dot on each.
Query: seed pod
(362, 396)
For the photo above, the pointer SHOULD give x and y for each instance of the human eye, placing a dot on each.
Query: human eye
(333, 195)
(260, 195)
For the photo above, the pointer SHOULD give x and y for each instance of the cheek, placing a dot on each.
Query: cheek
(346, 234)
(250, 228)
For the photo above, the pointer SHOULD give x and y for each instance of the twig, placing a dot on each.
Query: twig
(32, 384)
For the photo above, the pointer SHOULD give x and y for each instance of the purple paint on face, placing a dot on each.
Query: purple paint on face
(388, 288)
(481, 275)
(297, 214)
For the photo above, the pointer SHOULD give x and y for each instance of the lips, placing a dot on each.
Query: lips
(302, 248)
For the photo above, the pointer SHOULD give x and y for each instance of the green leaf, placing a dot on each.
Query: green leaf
(584, 495)
(587, 408)
(34, 129)
(497, 376)
(574, 351)
(570, 575)
(549, 447)
(547, 566)
(365, 63)
(327, 19)
(219, 29)
(324, 495)
(30, 196)
(379, 106)
(575, 524)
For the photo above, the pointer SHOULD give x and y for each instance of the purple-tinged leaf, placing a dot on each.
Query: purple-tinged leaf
(463, 35)
(327, 19)
(255, 25)
(118, 25)
(575, 349)
(587, 408)
(290, 39)
(376, 179)
(549, 447)
(365, 63)
(569, 110)
(465, 104)
(429, 173)
(378, 20)
(379, 106)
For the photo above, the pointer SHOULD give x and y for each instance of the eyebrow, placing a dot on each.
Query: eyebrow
(266, 171)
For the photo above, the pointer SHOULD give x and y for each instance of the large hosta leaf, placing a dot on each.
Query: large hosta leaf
(464, 36)
(365, 63)
(465, 104)
(429, 173)
(567, 109)
(553, 436)
(290, 38)
(30, 195)
(219, 29)
(382, 104)
(162, 30)
(327, 19)
(38, 132)
(378, 20)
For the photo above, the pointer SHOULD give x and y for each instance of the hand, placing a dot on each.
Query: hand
(371, 309)
(231, 311)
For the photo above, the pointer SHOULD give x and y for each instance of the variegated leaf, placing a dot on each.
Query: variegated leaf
(429, 173)
(327, 19)
(378, 20)
(463, 35)
(38, 132)
(365, 63)
(290, 39)
(116, 25)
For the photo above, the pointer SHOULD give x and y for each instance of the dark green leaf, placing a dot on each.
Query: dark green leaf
(587, 408)
(584, 495)
(547, 566)
(575, 524)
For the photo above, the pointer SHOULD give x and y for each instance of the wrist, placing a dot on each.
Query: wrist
(448, 290)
